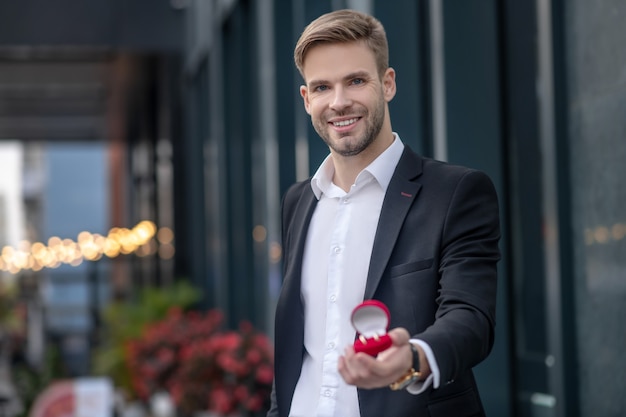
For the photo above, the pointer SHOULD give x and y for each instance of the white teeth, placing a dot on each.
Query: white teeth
(345, 122)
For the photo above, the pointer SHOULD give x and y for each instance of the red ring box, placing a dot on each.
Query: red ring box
(371, 321)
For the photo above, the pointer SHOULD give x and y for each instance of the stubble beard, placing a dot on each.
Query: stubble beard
(373, 126)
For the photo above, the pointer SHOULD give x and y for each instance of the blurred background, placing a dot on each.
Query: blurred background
(145, 145)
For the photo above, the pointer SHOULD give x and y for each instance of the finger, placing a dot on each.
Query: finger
(344, 371)
(352, 369)
(357, 368)
(399, 336)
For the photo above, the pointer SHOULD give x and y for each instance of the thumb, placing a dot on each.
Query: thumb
(399, 336)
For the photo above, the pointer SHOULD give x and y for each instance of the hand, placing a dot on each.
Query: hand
(365, 371)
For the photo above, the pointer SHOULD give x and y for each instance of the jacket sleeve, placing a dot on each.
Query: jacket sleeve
(462, 334)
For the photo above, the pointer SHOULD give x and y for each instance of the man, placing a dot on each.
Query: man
(377, 221)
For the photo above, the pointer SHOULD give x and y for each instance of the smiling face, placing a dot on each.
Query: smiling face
(347, 99)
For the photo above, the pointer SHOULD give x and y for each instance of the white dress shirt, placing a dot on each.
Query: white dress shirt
(334, 271)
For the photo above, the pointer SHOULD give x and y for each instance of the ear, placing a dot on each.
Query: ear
(389, 84)
(304, 92)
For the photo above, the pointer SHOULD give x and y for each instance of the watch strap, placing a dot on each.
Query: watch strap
(416, 357)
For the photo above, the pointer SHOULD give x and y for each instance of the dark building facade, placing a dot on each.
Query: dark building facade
(198, 101)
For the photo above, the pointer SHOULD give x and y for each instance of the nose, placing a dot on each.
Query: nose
(340, 99)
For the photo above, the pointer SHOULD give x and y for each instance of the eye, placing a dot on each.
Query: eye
(358, 81)
(321, 88)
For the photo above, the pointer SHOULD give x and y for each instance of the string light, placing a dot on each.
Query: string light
(602, 235)
(88, 246)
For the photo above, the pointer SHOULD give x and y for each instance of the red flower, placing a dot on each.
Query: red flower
(221, 401)
(254, 403)
(201, 365)
(264, 374)
(241, 393)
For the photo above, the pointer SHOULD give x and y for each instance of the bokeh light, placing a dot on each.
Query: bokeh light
(88, 247)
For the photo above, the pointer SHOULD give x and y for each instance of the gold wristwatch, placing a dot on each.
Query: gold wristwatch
(411, 375)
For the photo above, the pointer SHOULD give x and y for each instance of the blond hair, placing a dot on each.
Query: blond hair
(344, 26)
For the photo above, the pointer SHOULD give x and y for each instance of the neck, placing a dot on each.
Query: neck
(347, 168)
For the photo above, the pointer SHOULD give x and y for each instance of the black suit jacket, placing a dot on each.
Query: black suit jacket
(433, 264)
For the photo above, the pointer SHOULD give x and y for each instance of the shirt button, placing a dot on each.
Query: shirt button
(337, 250)
(333, 298)
(327, 393)
(346, 200)
(331, 345)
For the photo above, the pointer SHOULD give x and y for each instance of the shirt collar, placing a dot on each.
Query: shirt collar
(381, 168)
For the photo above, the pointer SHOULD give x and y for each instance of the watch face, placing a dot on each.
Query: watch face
(405, 380)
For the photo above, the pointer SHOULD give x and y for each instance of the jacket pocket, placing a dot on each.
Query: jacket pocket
(403, 269)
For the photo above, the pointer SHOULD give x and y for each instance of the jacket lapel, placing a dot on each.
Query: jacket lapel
(401, 194)
(302, 219)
